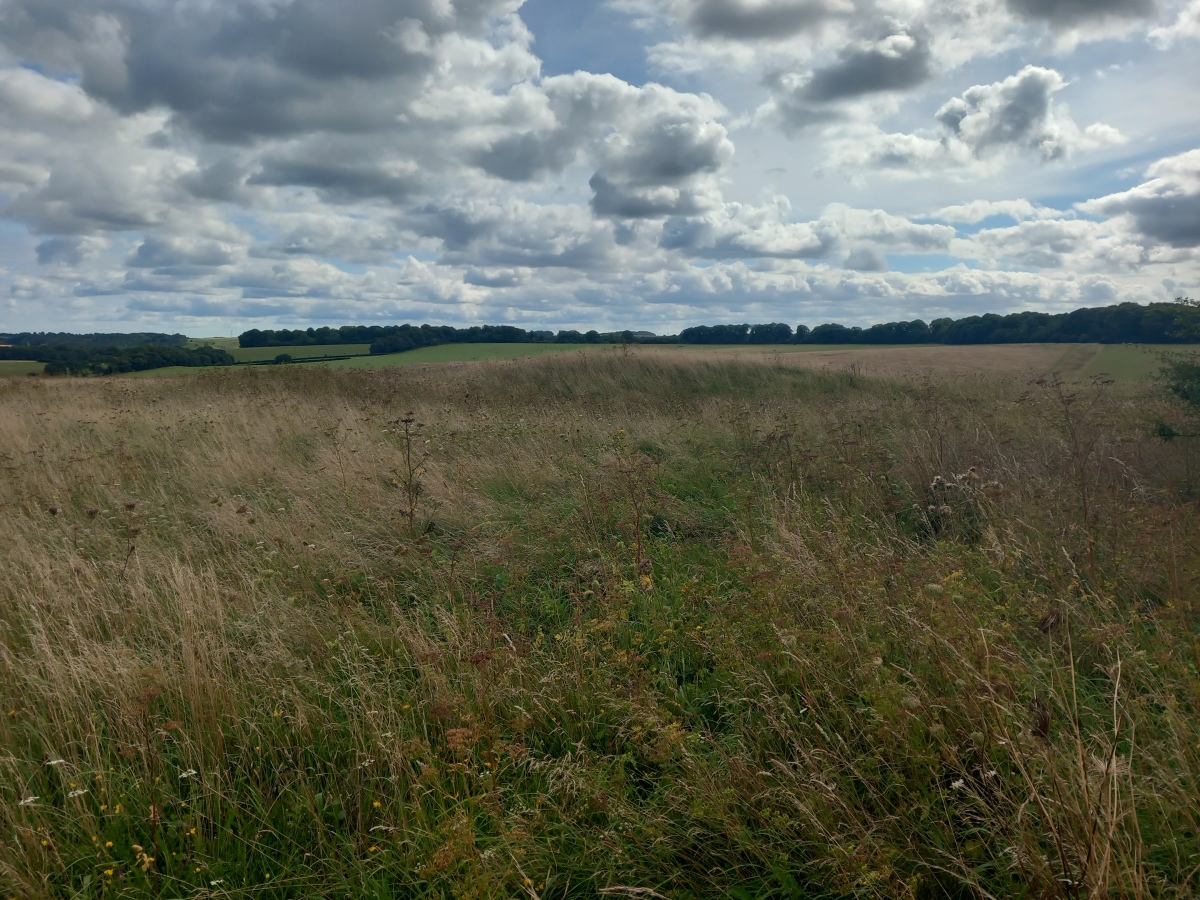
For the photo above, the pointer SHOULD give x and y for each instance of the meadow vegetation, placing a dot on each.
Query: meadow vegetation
(608, 623)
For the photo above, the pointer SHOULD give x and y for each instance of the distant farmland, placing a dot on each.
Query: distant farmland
(19, 367)
(1122, 362)
(266, 354)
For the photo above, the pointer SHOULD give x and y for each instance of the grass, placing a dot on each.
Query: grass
(1132, 362)
(229, 344)
(455, 353)
(259, 354)
(440, 354)
(595, 624)
(19, 367)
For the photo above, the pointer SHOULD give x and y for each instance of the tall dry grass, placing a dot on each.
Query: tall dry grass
(612, 623)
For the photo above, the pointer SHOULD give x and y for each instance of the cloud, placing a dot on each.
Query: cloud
(1015, 112)
(1166, 208)
(1071, 13)
(866, 259)
(1185, 27)
(978, 210)
(243, 70)
(738, 231)
(987, 123)
(340, 178)
(381, 160)
(67, 251)
(758, 19)
(158, 253)
(897, 62)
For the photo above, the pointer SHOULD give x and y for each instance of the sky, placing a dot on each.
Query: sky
(209, 166)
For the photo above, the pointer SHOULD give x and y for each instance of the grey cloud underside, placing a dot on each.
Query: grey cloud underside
(866, 259)
(898, 62)
(1067, 13)
(339, 182)
(157, 253)
(242, 70)
(1174, 221)
(871, 70)
(751, 20)
(527, 156)
(1166, 208)
(1014, 111)
(61, 250)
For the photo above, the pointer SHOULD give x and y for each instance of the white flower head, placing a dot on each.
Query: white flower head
(188, 774)
(29, 801)
(957, 785)
(56, 762)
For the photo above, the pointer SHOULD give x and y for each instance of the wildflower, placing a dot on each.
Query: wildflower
(372, 849)
(56, 762)
(217, 881)
(377, 804)
(108, 844)
(110, 872)
(29, 801)
(78, 792)
(957, 784)
(188, 774)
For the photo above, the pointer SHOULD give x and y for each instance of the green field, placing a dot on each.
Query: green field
(457, 353)
(1132, 362)
(263, 354)
(19, 367)
(223, 343)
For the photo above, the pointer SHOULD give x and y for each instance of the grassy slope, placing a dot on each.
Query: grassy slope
(455, 353)
(1132, 362)
(19, 367)
(598, 623)
(258, 354)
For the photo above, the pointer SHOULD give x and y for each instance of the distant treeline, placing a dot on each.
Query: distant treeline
(65, 359)
(94, 341)
(397, 338)
(1157, 323)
